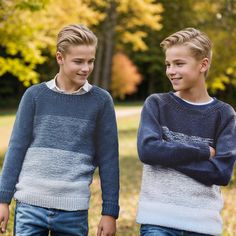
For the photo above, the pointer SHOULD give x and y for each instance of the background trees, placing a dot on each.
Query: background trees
(124, 25)
(21, 42)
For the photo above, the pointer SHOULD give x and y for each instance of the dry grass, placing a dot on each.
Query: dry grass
(130, 176)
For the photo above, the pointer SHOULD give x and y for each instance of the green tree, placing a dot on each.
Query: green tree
(177, 14)
(218, 21)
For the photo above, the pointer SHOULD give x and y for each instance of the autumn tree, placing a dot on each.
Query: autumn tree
(125, 76)
(124, 24)
(176, 15)
(20, 39)
(219, 24)
(28, 32)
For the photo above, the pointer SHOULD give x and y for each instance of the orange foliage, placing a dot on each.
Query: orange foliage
(125, 76)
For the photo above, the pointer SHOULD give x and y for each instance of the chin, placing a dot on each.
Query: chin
(176, 88)
(80, 81)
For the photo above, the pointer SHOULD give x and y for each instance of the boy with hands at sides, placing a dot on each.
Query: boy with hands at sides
(186, 141)
(64, 129)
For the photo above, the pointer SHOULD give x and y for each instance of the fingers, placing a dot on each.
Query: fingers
(4, 216)
(212, 151)
(4, 225)
(99, 232)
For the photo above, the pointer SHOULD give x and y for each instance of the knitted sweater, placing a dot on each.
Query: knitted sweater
(57, 142)
(180, 184)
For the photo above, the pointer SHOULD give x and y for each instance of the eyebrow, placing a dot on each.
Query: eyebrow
(177, 60)
(82, 59)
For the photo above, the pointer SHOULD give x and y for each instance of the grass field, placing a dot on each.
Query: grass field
(130, 176)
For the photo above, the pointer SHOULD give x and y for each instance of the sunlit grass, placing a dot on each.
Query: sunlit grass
(6, 123)
(229, 211)
(130, 176)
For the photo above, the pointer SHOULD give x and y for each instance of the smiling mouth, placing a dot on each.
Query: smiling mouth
(175, 81)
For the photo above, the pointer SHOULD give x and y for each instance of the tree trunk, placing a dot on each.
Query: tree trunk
(98, 62)
(109, 33)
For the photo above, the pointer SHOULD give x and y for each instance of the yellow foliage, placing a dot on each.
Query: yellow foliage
(29, 27)
(135, 39)
(125, 76)
(25, 74)
(137, 14)
(219, 83)
(229, 71)
(21, 38)
(58, 14)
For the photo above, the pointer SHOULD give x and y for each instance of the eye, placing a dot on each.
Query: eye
(167, 65)
(91, 61)
(180, 64)
(78, 62)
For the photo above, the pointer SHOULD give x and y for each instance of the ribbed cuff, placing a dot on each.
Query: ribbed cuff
(110, 209)
(6, 196)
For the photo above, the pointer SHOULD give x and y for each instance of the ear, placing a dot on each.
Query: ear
(205, 64)
(59, 58)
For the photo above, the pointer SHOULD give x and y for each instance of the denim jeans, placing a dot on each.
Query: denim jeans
(37, 221)
(154, 230)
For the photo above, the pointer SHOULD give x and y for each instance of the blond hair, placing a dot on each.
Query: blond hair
(75, 34)
(197, 41)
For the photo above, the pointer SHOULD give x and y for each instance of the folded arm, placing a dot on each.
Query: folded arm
(154, 150)
(194, 160)
(218, 169)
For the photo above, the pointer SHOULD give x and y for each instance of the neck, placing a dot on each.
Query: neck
(66, 85)
(194, 96)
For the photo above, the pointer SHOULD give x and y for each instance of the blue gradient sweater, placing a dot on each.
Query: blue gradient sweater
(57, 142)
(181, 183)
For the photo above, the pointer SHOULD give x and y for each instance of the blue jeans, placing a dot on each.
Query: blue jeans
(154, 230)
(38, 221)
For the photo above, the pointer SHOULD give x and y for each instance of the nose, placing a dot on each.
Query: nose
(170, 70)
(85, 67)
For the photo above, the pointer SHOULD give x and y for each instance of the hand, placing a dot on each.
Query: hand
(212, 151)
(4, 216)
(107, 226)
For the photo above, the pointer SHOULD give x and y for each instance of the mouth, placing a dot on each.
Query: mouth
(173, 80)
(83, 75)
(178, 78)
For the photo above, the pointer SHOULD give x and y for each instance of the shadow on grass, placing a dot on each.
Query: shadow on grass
(7, 112)
(130, 171)
(1, 159)
(130, 179)
(128, 133)
(128, 104)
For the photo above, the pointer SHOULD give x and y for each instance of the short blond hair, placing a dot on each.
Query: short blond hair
(75, 34)
(197, 41)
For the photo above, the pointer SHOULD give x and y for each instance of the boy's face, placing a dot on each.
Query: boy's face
(76, 65)
(184, 71)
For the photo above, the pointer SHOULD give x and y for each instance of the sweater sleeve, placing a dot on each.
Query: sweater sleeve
(154, 150)
(107, 159)
(18, 145)
(218, 169)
